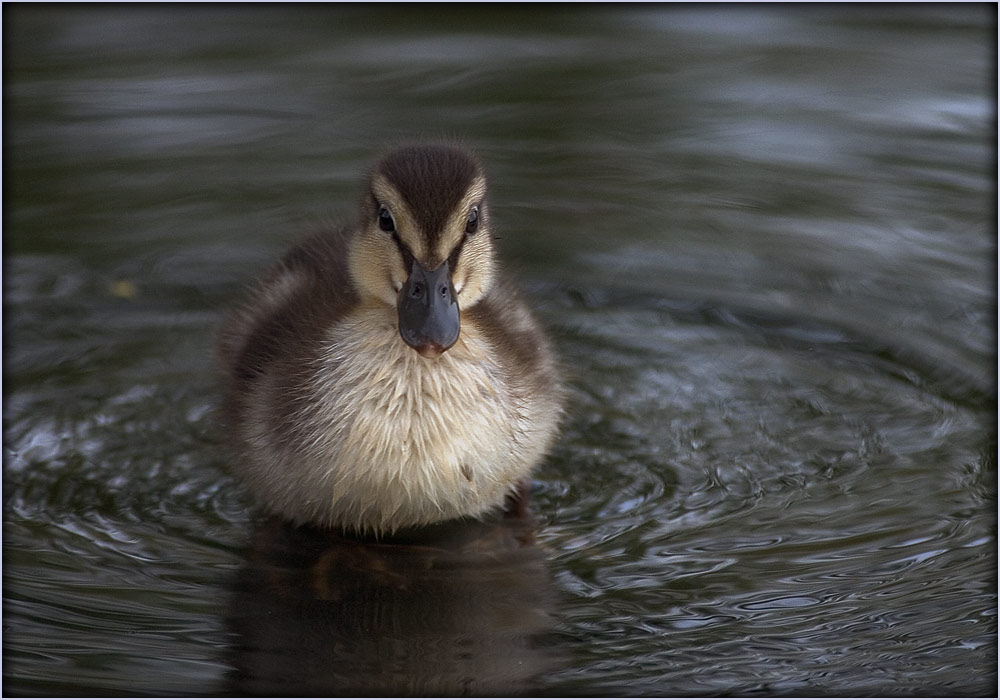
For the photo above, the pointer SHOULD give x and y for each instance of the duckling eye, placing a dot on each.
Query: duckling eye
(472, 223)
(385, 221)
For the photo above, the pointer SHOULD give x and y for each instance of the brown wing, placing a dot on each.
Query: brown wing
(290, 308)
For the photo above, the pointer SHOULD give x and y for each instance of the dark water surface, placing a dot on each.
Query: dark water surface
(764, 240)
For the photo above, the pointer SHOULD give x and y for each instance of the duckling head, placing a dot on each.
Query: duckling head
(424, 244)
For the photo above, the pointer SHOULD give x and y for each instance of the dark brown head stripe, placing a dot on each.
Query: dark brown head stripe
(432, 180)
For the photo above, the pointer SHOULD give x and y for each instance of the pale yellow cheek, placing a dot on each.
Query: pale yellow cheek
(397, 282)
(460, 280)
(469, 289)
(475, 282)
(374, 272)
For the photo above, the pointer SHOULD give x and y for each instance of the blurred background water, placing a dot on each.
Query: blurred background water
(764, 240)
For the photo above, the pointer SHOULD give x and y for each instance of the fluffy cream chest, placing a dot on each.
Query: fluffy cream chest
(397, 438)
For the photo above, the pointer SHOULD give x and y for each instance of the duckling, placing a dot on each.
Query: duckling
(388, 375)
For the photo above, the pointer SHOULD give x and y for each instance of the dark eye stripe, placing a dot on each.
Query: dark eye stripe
(404, 250)
(455, 252)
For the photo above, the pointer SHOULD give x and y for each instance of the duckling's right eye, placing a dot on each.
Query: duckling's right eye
(385, 221)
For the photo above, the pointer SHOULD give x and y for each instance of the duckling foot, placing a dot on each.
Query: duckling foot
(517, 513)
(518, 504)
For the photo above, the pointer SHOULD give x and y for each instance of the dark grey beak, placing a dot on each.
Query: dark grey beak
(428, 310)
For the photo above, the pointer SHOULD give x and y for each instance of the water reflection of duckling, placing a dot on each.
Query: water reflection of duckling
(388, 375)
(446, 610)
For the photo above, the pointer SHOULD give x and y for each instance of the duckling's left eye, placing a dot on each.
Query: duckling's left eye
(472, 223)
(385, 221)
